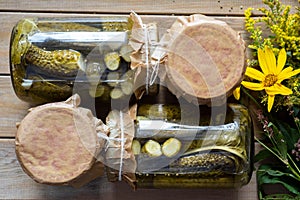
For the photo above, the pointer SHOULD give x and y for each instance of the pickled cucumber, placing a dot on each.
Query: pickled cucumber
(212, 158)
(116, 93)
(127, 87)
(59, 63)
(113, 78)
(208, 164)
(104, 24)
(159, 111)
(66, 26)
(136, 147)
(96, 91)
(42, 47)
(171, 147)
(152, 148)
(125, 52)
(112, 61)
(44, 91)
(20, 42)
(193, 181)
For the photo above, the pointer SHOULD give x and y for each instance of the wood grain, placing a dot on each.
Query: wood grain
(210, 7)
(15, 184)
(9, 20)
(12, 110)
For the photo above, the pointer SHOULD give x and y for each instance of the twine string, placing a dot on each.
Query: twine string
(150, 78)
(147, 55)
(154, 73)
(122, 140)
(108, 139)
(122, 145)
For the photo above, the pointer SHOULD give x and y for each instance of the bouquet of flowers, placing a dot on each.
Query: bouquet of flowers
(272, 82)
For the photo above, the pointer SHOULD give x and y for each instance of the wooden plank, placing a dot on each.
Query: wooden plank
(211, 7)
(15, 184)
(12, 110)
(9, 20)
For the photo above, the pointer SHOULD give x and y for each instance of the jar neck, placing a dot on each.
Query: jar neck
(161, 95)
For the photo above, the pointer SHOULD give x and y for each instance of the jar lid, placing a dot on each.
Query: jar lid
(57, 143)
(205, 59)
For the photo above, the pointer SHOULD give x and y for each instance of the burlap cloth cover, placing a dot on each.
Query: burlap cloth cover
(120, 159)
(202, 59)
(57, 143)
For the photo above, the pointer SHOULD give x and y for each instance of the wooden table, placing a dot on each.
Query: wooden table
(14, 183)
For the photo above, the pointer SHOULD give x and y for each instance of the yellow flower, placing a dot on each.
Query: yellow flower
(271, 76)
(237, 93)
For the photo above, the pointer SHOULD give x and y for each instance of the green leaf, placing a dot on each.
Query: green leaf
(280, 197)
(277, 173)
(263, 154)
(267, 174)
(291, 134)
(288, 186)
(279, 142)
(269, 170)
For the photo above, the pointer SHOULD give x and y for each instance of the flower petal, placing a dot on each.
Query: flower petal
(281, 60)
(270, 60)
(255, 74)
(253, 86)
(278, 89)
(262, 61)
(237, 93)
(287, 73)
(270, 102)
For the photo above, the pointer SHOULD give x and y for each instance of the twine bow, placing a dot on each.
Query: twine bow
(148, 43)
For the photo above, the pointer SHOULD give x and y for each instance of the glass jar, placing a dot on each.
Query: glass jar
(52, 58)
(176, 144)
(170, 154)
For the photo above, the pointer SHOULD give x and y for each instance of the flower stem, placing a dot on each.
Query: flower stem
(269, 149)
(296, 173)
(297, 122)
(251, 97)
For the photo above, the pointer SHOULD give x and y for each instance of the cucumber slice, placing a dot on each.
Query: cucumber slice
(136, 147)
(152, 148)
(171, 147)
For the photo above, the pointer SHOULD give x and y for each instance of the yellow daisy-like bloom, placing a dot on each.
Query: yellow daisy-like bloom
(271, 76)
(237, 93)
